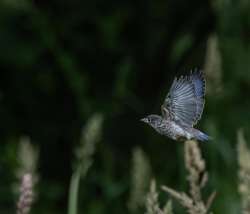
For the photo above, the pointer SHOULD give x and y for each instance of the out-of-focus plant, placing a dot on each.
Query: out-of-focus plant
(84, 158)
(212, 65)
(26, 194)
(197, 177)
(140, 180)
(16, 4)
(27, 156)
(152, 203)
(244, 173)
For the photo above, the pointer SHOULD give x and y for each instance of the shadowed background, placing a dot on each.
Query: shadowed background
(61, 62)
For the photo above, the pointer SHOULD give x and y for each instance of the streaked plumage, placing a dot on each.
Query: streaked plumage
(182, 109)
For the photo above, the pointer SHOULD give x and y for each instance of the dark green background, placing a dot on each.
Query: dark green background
(62, 61)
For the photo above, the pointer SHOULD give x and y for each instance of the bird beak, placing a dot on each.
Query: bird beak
(145, 120)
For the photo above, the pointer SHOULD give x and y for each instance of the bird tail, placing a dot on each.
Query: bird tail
(198, 135)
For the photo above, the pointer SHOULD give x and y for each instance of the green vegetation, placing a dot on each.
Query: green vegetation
(61, 62)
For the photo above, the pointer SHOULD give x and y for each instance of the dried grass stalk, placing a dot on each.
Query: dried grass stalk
(244, 173)
(152, 203)
(91, 134)
(141, 171)
(26, 195)
(197, 177)
(84, 158)
(212, 67)
(28, 155)
(168, 208)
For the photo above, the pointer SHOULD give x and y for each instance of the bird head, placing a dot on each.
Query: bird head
(153, 120)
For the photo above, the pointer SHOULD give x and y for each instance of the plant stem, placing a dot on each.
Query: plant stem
(73, 192)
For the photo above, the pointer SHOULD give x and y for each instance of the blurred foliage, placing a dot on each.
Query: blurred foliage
(84, 160)
(140, 179)
(62, 61)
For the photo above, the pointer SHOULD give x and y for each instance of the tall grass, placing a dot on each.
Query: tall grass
(26, 194)
(27, 156)
(140, 179)
(197, 177)
(244, 173)
(192, 201)
(152, 203)
(84, 158)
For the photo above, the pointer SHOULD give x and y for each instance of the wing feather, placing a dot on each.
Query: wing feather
(185, 100)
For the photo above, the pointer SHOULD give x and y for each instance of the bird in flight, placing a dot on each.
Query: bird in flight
(182, 109)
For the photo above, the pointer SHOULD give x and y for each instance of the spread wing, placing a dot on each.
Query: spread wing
(185, 100)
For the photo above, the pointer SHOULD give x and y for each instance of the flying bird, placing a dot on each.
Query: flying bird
(182, 109)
